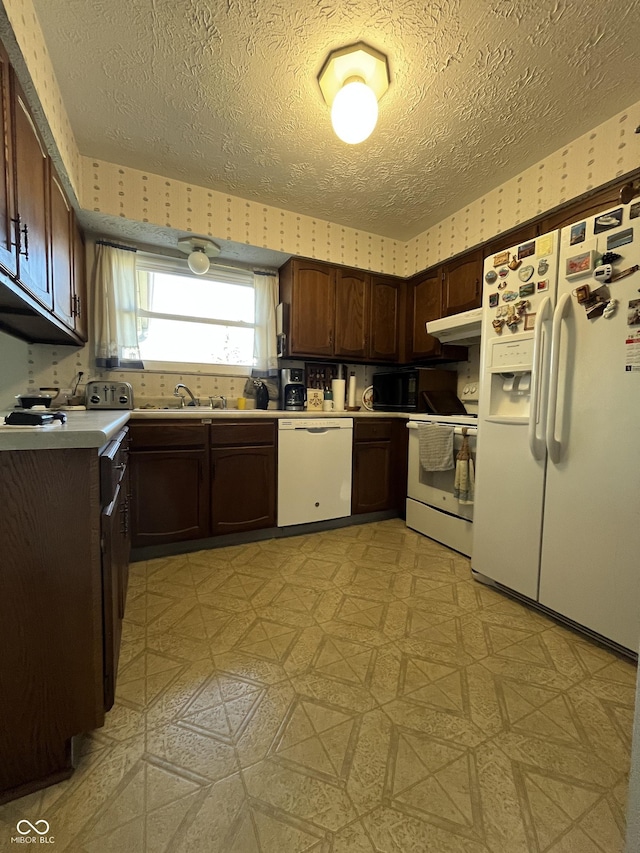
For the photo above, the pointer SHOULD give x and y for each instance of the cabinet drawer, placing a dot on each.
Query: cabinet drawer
(113, 464)
(236, 433)
(365, 430)
(168, 434)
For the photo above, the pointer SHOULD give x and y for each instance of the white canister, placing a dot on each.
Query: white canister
(351, 400)
(338, 388)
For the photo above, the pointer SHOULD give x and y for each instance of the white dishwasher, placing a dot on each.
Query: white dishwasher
(314, 469)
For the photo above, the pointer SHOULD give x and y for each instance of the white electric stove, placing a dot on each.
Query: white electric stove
(432, 508)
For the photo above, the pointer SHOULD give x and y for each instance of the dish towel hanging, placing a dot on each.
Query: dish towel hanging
(465, 480)
(435, 447)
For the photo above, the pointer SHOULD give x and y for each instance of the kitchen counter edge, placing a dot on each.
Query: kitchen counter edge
(82, 430)
(94, 428)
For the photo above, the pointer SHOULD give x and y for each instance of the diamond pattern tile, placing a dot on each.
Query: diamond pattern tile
(352, 691)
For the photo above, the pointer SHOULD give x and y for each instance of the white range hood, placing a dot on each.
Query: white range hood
(461, 328)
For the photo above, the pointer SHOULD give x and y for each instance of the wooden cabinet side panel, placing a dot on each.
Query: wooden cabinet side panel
(50, 609)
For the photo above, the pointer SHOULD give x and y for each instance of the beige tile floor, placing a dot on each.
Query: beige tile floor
(345, 692)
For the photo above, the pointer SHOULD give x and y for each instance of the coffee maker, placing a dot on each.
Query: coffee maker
(293, 392)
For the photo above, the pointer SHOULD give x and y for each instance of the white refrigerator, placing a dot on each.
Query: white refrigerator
(557, 510)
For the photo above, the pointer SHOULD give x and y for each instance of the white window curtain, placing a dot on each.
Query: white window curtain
(115, 320)
(265, 346)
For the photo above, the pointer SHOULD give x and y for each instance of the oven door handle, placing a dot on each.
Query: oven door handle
(458, 430)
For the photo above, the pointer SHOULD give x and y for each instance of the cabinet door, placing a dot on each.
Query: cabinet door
(581, 209)
(32, 185)
(462, 284)
(372, 485)
(79, 285)
(61, 253)
(353, 294)
(385, 315)
(243, 489)
(113, 576)
(8, 257)
(427, 305)
(170, 491)
(312, 308)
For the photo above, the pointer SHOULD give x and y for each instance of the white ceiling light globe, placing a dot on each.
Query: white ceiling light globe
(198, 262)
(354, 112)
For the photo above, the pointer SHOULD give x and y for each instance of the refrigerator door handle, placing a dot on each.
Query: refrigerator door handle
(537, 415)
(554, 447)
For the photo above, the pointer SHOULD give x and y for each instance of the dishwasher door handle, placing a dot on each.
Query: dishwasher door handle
(317, 429)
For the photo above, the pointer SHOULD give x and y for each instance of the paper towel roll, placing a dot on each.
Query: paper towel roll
(351, 397)
(337, 387)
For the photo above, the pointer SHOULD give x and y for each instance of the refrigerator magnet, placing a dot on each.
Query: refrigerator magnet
(525, 273)
(542, 285)
(500, 259)
(503, 272)
(494, 299)
(509, 295)
(613, 219)
(543, 266)
(544, 245)
(578, 265)
(634, 210)
(526, 289)
(527, 249)
(491, 277)
(620, 239)
(578, 233)
(529, 322)
(514, 263)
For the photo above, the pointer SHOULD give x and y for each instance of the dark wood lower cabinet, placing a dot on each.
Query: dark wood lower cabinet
(379, 465)
(170, 495)
(194, 480)
(243, 489)
(51, 616)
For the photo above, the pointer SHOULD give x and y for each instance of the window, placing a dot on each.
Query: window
(188, 322)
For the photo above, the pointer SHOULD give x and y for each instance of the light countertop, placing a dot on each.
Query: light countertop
(82, 429)
(94, 428)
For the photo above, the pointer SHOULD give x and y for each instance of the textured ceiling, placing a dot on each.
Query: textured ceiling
(223, 93)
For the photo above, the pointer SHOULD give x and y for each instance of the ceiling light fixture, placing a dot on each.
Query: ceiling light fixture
(352, 80)
(199, 251)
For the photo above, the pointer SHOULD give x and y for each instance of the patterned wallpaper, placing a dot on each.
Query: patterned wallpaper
(143, 197)
(23, 38)
(608, 151)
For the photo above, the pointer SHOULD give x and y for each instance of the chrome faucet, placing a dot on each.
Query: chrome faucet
(223, 402)
(176, 393)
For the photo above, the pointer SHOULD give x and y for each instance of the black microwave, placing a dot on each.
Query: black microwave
(417, 389)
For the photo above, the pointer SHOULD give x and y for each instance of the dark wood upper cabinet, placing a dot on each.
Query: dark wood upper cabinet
(462, 283)
(32, 188)
(309, 288)
(62, 239)
(581, 209)
(8, 255)
(511, 238)
(384, 328)
(353, 300)
(80, 305)
(426, 290)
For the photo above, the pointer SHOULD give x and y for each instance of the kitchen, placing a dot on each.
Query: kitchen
(118, 194)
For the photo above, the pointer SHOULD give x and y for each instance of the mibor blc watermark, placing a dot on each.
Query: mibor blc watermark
(33, 833)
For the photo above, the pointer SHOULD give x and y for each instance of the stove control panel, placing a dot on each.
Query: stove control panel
(109, 395)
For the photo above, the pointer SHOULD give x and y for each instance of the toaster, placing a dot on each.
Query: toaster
(109, 395)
